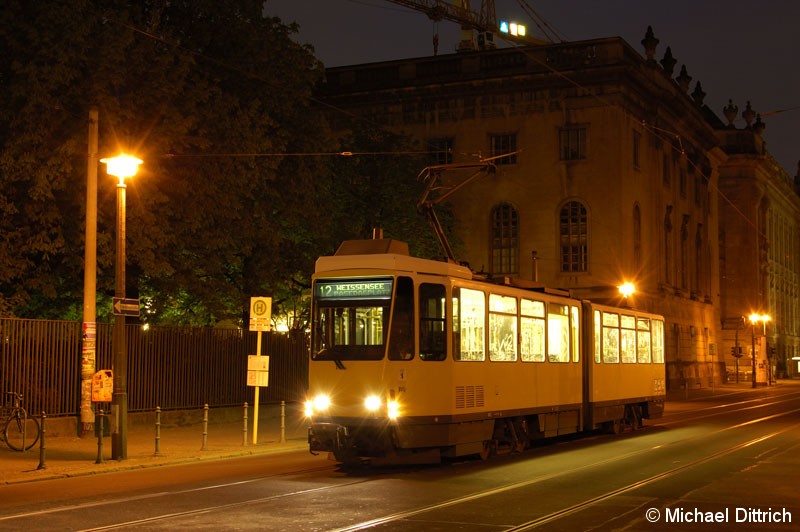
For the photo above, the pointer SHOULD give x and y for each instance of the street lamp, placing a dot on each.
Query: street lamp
(754, 319)
(627, 289)
(121, 167)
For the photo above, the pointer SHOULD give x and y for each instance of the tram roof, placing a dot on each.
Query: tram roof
(386, 254)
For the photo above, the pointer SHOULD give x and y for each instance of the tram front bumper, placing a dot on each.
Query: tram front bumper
(328, 437)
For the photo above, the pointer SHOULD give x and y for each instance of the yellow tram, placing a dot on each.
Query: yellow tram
(415, 360)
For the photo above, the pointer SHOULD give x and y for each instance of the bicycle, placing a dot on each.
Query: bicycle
(20, 431)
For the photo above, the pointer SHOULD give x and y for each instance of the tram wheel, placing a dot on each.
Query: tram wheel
(487, 451)
(615, 426)
(521, 439)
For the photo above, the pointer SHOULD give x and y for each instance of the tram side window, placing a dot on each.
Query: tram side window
(401, 337)
(576, 334)
(469, 324)
(610, 338)
(532, 327)
(502, 328)
(432, 345)
(643, 340)
(628, 339)
(558, 333)
(598, 336)
(657, 342)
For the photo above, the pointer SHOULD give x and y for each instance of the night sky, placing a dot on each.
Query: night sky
(737, 49)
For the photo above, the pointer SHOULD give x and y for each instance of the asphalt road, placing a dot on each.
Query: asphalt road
(725, 461)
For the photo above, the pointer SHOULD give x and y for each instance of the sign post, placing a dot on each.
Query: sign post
(258, 366)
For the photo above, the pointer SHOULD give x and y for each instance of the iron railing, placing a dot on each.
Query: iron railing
(169, 367)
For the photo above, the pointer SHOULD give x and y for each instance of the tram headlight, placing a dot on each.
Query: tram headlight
(393, 409)
(372, 403)
(317, 404)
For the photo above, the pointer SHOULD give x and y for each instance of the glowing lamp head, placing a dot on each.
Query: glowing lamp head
(122, 166)
(627, 289)
(321, 402)
(756, 318)
(317, 404)
(393, 409)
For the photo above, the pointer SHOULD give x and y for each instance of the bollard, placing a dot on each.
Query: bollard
(283, 421)
(244, 441)
(42, 452)
(205, 427)
(158, 432)
(100, 437)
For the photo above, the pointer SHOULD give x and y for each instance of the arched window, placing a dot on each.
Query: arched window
(505, 239)
(574, 231)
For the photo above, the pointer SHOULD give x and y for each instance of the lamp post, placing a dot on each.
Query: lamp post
(754, 319)
(122, 167)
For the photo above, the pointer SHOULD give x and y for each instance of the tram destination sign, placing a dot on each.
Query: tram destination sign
(354, 289)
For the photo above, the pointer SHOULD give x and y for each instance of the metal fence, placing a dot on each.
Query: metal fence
(170, 367)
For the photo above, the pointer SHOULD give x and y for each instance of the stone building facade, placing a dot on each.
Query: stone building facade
(759, 255)
(614, 175)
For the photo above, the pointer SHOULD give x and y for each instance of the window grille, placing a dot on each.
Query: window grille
(573, 225)
(505, 239)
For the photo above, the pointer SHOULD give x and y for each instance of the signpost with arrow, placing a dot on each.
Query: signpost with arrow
(125, 306)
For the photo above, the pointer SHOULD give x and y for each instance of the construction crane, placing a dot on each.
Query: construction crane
(484, 22)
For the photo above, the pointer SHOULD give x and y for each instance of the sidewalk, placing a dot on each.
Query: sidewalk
(70, 455)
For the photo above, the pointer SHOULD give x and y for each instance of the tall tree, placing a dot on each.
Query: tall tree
(211, 95)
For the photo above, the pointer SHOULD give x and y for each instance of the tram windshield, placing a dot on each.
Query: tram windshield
(351, 318)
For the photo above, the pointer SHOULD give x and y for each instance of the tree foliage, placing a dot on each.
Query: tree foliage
(235, 197)
(209, 94)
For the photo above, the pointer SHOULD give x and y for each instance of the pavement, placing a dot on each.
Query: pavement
(182, 439)
(185, 439)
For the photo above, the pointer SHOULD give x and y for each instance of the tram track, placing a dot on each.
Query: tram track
(728, 409)
(717, 410)
(404, 515)
(476, 496)
(644, 482)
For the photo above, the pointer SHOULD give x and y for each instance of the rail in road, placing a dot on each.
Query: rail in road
(695, 465)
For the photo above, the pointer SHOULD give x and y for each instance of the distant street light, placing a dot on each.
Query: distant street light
(754, 319)
(627, 289)
(122, 167)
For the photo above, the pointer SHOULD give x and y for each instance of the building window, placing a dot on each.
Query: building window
(668, 245)
(637, 238)
(683, 182)
(699, 260)
(637, 141)
(685, 252)
(666, 170)
(573, 230)
(572, 143)
(699, 191)
(500, 144)
(505, 239)
(442, 150)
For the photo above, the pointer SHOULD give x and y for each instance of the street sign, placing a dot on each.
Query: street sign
(125, 307)
(257, 370)
(733, 324)
(260, 313)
